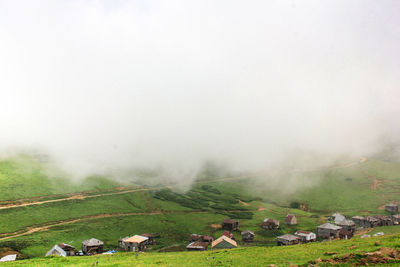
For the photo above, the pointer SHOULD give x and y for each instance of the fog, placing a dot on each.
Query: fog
(108, 85)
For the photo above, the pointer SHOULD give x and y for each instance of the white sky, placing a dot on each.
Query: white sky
(108, 84)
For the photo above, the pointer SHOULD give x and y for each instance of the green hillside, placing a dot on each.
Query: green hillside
(343, 252)
(39, 209)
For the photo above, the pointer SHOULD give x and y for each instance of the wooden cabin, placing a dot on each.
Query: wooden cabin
(287, 240)
(291, 219)
(357, 219)
(58, 251)
(344, 234)
(347, 225)
(197, 246)
(134, 243)
(369, 222)
(270, 224)
(328, 231)
(92, 246)
(306, 236)
(247, 236)
(384, 220)
(396, 219)
(229, 224)
(69, 250)
(392, 208)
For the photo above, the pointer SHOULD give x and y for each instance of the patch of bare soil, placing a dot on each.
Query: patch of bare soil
(216, 226)
(243, 203)
(383, 255)
(261, 208)
(363, 232)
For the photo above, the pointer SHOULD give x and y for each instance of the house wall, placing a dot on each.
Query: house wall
(327, 233)
(223, 244)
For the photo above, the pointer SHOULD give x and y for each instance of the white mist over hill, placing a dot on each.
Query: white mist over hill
(103, 85)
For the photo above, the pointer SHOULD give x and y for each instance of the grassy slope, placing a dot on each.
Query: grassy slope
(255, 256)
(330, 191)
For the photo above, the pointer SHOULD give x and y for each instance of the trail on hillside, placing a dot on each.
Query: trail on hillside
(122, 190)
(73, 197)
(47, 226)
(376, 183)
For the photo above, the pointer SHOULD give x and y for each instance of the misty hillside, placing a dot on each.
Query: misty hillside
(46, 210)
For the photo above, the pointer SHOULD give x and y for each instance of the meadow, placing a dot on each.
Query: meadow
(173, 215)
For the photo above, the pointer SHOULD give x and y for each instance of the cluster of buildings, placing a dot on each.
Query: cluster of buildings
(337, 227)
(94, 246)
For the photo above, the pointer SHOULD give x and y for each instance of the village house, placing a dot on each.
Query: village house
(290, 219)
(357, 219)
(337, 218)
(61, 250)
(345, 234)
(384, 220)
(247, 236)
(133, 243)
(92, 246)
(306, 236)
(207, 238)
(223, 242)
(391, 207)
(197, 246)
(202, 238)
(150, 240)
(229, 224)
(369, 222)
(270, 224)
(287, 240)
(328, 231)
(396, 219)
(194, 237)
(347, 225)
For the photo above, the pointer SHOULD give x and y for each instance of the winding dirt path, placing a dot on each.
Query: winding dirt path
(47, 226)
(77, 196)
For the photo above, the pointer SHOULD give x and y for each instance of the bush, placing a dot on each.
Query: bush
(294, 205)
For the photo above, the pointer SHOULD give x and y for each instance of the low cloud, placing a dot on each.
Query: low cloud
(104, 86)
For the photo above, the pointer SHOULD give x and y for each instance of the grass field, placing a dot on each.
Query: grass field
(253, 256)
(354, 190)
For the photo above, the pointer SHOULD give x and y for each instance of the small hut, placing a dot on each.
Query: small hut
(229, 224)
(369, 222)
(197, 246)
(357, 219)
(344, 234)
(337, 218)
(270, 224)
(348, 225)
(56, 251)
(392, 208)
(396, 219)
(92, 246)
(223, 242)
(384, 220)
(290, 219)
(207, 238)
(134, 243)
(247, 236)
(306, 236)
(287, 240)
(328, 231)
